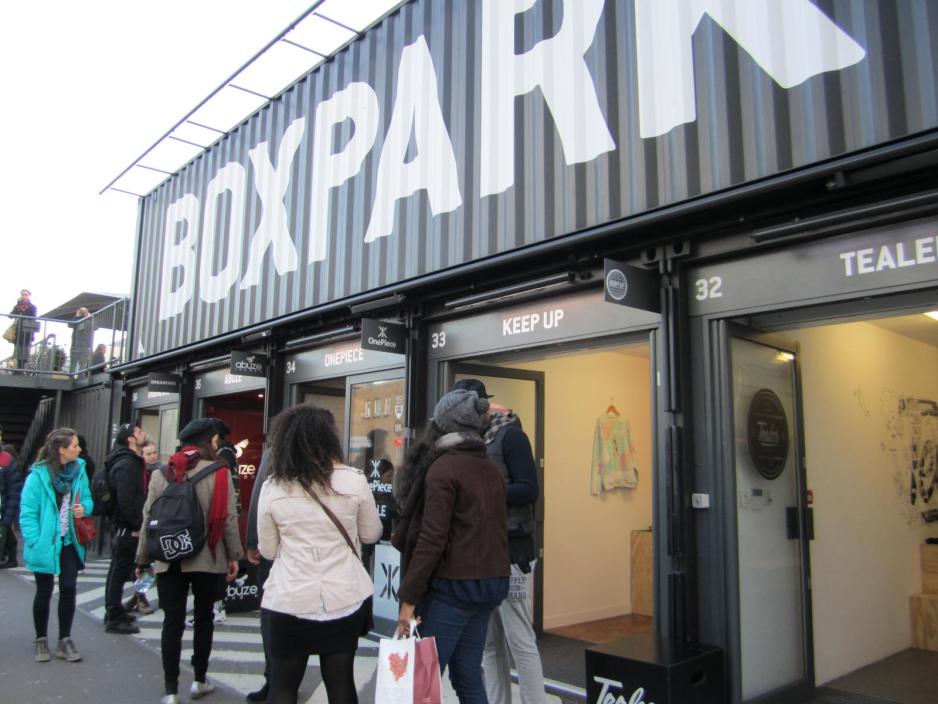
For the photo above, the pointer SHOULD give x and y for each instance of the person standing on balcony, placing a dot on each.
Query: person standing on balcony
(26, 327)
(82, 330)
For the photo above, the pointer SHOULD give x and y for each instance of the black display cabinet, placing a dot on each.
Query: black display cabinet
(646, 669)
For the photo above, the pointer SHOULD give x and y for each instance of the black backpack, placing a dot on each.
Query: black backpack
(176, 528)
(102, 493)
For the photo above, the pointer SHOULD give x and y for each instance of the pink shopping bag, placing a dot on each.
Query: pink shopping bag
(427, 681)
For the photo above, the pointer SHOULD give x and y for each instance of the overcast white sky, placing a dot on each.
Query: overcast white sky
(85, 88)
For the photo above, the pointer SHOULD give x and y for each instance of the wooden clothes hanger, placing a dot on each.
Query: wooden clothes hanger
(612, 407)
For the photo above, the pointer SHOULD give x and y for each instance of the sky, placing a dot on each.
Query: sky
(86, 87)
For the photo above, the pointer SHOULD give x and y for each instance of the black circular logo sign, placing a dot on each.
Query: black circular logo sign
(767, 432)
(617, 284)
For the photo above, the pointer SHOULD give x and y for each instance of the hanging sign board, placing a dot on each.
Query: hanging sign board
(249, 363)
(631, 286)
(164, 383)
(382, 336)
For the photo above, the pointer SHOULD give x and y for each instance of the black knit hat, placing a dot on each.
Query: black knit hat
(198, 431)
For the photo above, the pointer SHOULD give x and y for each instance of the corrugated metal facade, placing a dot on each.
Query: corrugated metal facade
(742, 125)
(88, 411)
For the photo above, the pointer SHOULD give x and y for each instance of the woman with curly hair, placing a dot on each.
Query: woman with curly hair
(314, 513)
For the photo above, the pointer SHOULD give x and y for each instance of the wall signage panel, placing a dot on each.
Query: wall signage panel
(221, 381)
(382, 336)
(578, 316)
(339, 359)
(897, 257)
(453, 132)
(142, 397)
(248, 364)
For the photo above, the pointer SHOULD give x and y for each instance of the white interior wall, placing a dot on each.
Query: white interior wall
(587, 538)
(864, 559)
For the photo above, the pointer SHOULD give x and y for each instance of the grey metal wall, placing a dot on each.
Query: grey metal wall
(747, 127)
(88, 411)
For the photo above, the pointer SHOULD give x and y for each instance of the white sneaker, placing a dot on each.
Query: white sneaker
(220, 614)
(200, 689)
(169, 699)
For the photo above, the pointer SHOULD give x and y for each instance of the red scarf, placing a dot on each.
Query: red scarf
(179, 465)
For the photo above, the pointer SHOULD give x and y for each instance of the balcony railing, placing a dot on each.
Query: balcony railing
(48, 346)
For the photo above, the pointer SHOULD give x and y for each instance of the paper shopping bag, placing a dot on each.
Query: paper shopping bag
(428, 686)
(395, 681)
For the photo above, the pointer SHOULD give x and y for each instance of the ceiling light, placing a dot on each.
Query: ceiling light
(933, 314)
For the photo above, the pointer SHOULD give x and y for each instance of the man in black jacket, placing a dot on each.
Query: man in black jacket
(127, 475)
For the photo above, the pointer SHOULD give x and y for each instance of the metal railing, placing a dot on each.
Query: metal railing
(49, 346)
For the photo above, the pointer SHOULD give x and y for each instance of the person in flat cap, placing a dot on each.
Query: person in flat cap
(453, 537)
(201, 573)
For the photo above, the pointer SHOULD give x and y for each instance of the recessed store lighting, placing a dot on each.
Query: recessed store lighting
(260, 395)
(784, 357)
(933, 314)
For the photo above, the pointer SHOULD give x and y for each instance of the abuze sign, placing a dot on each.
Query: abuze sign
(359, 178)
(249, 363)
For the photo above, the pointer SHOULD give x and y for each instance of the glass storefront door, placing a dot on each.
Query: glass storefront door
(772, 552)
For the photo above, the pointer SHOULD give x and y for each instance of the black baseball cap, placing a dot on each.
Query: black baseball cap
(473, 385)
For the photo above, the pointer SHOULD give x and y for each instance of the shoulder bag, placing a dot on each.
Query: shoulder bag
(85, 528)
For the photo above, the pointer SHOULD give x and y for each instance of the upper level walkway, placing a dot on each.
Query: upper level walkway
(62, 353)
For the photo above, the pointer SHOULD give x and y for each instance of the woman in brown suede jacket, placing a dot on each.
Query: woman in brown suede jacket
(453, 536)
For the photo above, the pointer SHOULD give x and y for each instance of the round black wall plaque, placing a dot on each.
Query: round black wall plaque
(767, 432)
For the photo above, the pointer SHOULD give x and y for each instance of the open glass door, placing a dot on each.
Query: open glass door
(764, 444)
(522, 391)
(375, 424)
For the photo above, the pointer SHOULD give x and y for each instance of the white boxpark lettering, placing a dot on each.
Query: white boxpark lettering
(898, 255)
(554, 65)
(271, 184)
(417, 109)
(529, 322)
(791, 41)
(231, 179)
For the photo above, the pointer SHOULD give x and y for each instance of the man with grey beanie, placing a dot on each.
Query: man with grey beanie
(453, 538)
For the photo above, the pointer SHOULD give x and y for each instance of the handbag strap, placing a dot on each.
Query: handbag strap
(332, 517)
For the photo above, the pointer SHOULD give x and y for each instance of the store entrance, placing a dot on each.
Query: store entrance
(869, 380)
(594, 577)
(244, 413)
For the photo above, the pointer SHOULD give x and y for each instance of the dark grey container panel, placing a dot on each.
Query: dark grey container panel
(746, 127)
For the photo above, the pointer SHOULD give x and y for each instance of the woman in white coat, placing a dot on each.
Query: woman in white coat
(314, 513)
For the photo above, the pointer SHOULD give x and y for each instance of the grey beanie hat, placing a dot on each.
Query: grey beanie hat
(460, 411)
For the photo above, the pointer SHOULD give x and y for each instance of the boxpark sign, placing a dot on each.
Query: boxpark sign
(411, 156)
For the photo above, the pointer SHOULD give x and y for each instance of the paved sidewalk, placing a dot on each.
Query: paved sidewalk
(114, 669)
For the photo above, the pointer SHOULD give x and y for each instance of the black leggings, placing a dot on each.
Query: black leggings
(69, 564)
(337, 674)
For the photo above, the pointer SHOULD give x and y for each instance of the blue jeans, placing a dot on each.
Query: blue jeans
(460, 639)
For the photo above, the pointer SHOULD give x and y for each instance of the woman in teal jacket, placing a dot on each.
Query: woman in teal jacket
(48, 509)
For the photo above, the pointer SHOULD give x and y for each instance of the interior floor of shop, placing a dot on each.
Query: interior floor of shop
(606, 630)
(909, 677)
